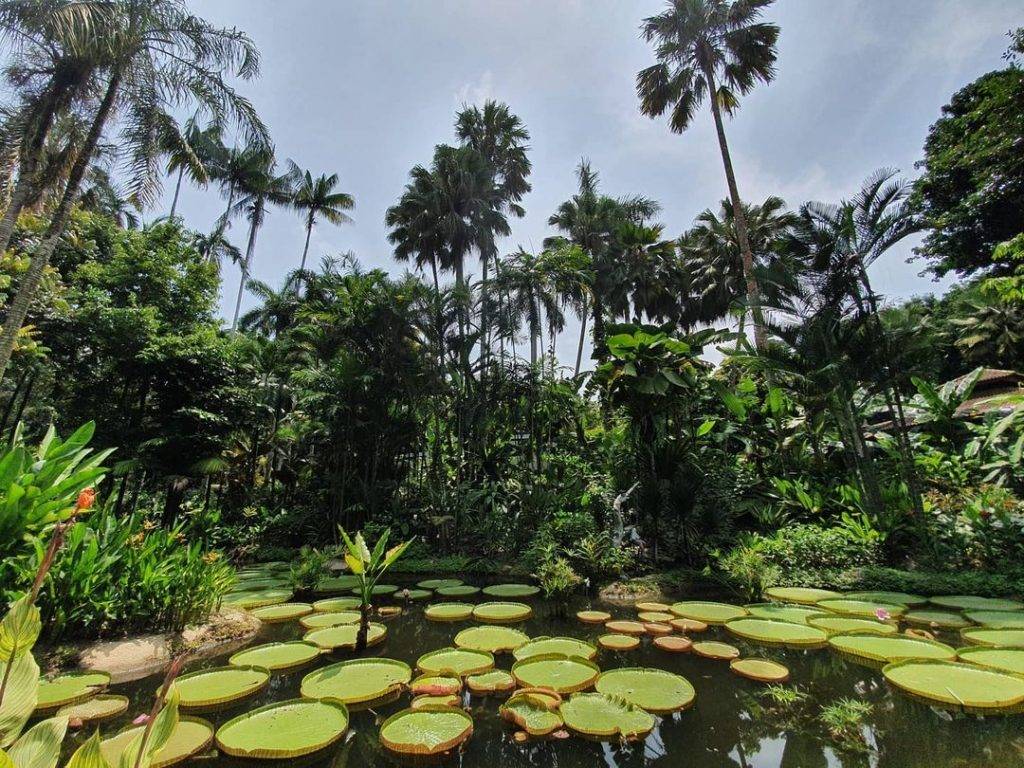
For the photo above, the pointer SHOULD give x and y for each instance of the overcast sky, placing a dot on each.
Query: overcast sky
(366, 88)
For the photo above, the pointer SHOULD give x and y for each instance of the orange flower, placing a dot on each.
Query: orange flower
(85, 499)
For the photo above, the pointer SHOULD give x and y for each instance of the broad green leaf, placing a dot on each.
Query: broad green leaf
(40, 746)
(141, 750)
(363, 550)
(394, 553)
(88, 755)
(775, 401)
(351, 545)
(5, 760)
(20, 696)
(19, 629)
(354, 563)
(706, 427)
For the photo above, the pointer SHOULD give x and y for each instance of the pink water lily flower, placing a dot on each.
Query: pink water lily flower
(143, 718)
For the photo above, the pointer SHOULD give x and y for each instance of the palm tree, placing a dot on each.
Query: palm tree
(261, 188)
(317, 197)
(155, 55)
(102, 196)
(718, 50)
(215, 247)
(193, 155)
(531, 295)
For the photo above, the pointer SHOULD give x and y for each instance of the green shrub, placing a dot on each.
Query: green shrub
(1007, 584)
(557, 578)
(309, 570)
(972, 528)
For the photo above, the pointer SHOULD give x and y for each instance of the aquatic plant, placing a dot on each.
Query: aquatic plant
(844, 719)
(368, 567)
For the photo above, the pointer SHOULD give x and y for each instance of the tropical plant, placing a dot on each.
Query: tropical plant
(317, 198)
(716, 50)
(368, 567)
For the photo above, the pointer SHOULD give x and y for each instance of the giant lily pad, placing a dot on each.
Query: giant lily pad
(190, 737)
(863, 608)
(426, 731)
(1000, 659)
(711, 649)
(337, 584)
(511, 590)
(219, 685)
(556, 672)
(616, 642)
(494, 681)
(932, 618)
(958, 686)
(593, 617)
(427, 701)
(379, 590)
(438, 583)
(775, 632)
(458, 590)
(344, 636)
(709, 613)
(258, 598)
(275, 656)
(284, 730)
(761, 670)
(330, 619)
(334, 604)
(656, 617)
(620, 627)
(568, 646)
(492, 639)
(673, 644)
(414, 594)
(356, 681)
(282, 612)
(975, 603)
(534, 710)
(95, 709)
(844, 625)
(649, 605)
(448, 611)
(246, 585)
(431, 684)
(986, 636)
(882, 649)
(803, 595)
(603, 717)
(688, 625)
(502, 613)
(655, 690)
(998, 619)
(455, 661)
(798, 614)
(70, 688)
(899, 598)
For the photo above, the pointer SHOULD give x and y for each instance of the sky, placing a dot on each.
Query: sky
(367, 88)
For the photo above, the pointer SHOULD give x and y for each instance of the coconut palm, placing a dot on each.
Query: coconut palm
(317, 197)
(192, 152)
(155, 55)
(716, 50)
(215, 248)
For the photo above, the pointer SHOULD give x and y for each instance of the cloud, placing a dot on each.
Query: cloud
(476, 92)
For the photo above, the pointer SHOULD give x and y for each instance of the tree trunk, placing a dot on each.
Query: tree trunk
(484, 325)
(177, 192)
(249, 249)
(753, 293)
(305, 252)
(583, 338)
(30, 282)
(364, 625)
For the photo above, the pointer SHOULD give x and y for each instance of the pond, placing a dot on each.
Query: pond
(731, 723)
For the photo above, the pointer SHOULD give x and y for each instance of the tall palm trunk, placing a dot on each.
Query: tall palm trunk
(583, 337)
(41, 258)
(753, 293)
(305, 253)
(177, 192)
(249, 250)
(484, 298)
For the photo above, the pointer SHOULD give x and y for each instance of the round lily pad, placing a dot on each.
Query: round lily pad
(882, 649)
(70, 688)
(190, 736)
(568, 646)
(448, 611)
(414, 594)
(356, 681)
(502, 613)
(709, 613)
(864, 608)
(258, 598)
(379, 590)
(761, 670)
(1000, 659)
(775, 632)
(925, 617)
(330, 619)
(997, 619)
(276, 656)
(426, 731)
(655, 690)
(621, 627)
(284, 730)
(556, 672)
(711, 649)
(688, 625)
(282, 612)
(975, 603)
(533, 710)
(899, 598)
(795, 613)
(803, 595)
(95, 709)
(262, 582)
(438, 583)
(511, 590)
(426, 701)
(593, 617)
(655, 616)
(494, 681)
(617, 642)
(843, 625)
(219, 685)
(334, 604)
(336, 584)
(600, 716)
(455, 661)
(493, 639)
(673, 644)
(653, 606)
(457, 590)
(987, 636)
(958, 686)
(344, 636)
(656, 629)
(435, 685)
